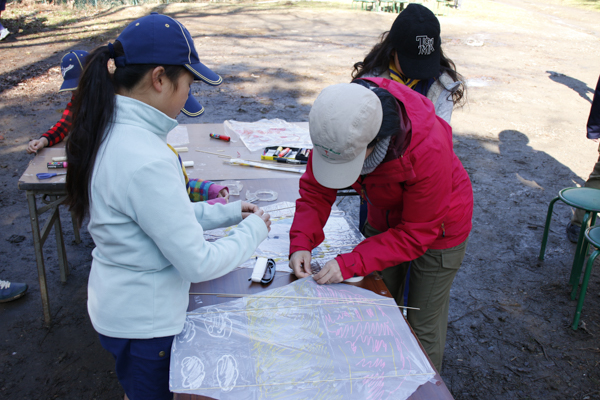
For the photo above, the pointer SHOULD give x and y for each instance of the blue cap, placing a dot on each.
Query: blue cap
(192, 108)
(162, 40)
(71, 66)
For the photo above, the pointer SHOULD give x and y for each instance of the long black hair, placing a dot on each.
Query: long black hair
(379, 57)
(93, 109)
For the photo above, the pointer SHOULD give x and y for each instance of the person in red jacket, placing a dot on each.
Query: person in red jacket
(398, 155)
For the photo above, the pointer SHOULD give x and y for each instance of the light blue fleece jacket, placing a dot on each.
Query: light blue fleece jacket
(148, 234)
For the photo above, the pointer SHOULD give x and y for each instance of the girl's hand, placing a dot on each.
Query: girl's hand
(249, 209)
(300, 263)
(36, 145)
(224, 193)
(330, 273)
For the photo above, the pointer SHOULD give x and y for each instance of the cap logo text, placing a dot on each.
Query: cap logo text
(67, 69)
(425, 45)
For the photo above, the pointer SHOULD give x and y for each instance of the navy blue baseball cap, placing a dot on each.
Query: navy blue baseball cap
(161, 40)
(71, 66)
(192, 108)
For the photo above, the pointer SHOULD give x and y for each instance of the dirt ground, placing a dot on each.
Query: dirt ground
(531, 67)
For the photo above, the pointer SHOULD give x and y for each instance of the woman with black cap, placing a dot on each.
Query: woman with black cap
(411, 53)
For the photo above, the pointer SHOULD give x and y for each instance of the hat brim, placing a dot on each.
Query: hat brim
(203, 73)
(423, 68)
(69, 85)
(337, 176)
(192, 108)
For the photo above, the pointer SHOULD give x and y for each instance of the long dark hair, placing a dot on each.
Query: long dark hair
(93, 109)
(379, 57)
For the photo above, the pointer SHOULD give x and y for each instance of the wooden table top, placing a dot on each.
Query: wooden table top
(29, 181)
(214, 168)
(206, 166)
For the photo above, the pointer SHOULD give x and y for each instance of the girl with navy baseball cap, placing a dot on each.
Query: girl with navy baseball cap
(148, 235)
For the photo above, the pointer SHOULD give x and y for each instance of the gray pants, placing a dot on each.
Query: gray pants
(592, 182)
(431, 277)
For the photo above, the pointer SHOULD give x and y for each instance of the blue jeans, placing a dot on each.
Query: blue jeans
(142, 366)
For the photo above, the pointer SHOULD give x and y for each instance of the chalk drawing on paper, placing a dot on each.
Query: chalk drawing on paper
(304, 340)
(188, 332)
(217, 323)
(192, 371)
(227, 372)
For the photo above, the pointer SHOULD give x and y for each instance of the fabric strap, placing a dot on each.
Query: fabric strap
(187, 180)
(420, 86)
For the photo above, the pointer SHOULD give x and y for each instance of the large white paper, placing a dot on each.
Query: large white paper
(268, 132)
(301, 341)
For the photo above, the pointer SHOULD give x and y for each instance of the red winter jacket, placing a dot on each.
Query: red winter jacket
(420, 196)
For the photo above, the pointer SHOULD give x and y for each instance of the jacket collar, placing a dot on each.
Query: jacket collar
(130, 111)
(419, 109)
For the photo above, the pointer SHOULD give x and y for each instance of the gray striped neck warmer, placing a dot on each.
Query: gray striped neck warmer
(376, 157)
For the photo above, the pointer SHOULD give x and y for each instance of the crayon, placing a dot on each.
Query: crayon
(220, 137)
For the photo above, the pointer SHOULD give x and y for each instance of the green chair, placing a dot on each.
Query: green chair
(587, 199)
(387, 5)
(364, 4)
(592, 236)
(399, 5)
(444, 4)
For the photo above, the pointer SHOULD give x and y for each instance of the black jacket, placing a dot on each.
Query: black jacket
(593, 124)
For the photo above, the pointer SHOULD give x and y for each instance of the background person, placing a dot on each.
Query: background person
(593, 133)
(411, 53)
(3, 31)
(419, 197)
(10, 291)
(71, 66)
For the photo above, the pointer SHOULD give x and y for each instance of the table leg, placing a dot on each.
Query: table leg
(60, 247)
(39, 255)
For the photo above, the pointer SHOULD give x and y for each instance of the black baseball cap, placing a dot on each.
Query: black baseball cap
(415, 35)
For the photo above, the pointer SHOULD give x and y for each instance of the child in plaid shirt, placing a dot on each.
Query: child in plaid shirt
(71, 66)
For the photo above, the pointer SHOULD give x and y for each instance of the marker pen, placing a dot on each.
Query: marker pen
(289, 161)
(55, 165)
(284, 152)
(220, 137)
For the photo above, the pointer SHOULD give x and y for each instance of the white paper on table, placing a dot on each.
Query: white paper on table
(178, 137)
(268, 132)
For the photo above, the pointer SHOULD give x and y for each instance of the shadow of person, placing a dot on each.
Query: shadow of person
(580, 87)
(512, 186)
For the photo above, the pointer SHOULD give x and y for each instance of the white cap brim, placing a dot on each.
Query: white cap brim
(338, 175)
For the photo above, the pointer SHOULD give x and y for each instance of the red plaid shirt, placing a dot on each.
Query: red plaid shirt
(57, 133)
